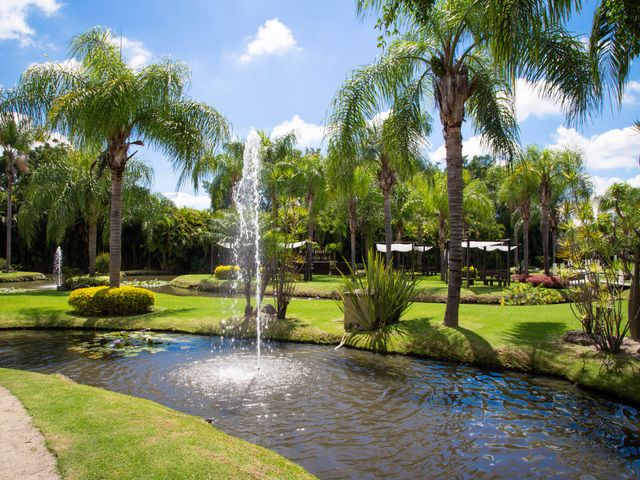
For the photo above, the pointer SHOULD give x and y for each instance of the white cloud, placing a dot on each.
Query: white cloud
(180, 199)
(13, 18)
(472, 146)
(133, 51)
(616, 148)
(632, 93)
(272, 38)
(309, 134)
(601, 184)
(531, 103)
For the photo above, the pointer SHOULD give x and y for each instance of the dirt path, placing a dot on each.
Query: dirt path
(23, 454)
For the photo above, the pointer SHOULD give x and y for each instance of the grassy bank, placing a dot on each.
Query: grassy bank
(518, 338)
(98, 434)
(7, 277)
(430, 289)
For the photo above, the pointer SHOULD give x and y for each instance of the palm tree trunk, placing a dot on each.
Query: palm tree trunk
(8, 220)
(544, 226)
(309, 253)
(352, 230)
(453, 146)
(442, 244)
(634, 299)
(115, 229)
(388, 233)
(525, 243)
(93, 240)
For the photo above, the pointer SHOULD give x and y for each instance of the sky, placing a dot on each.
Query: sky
(276, 64)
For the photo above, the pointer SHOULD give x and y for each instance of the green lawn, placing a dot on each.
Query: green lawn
(6, 277)
(431, 289)
(519, 338)
(97, 434)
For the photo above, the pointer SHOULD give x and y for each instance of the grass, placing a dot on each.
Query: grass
(6, 277)
(430, 289)
(517, 338)
(99, 434)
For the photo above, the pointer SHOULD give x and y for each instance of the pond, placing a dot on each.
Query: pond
(348, 414)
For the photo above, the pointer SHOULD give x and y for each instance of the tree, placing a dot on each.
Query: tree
(519, 191)
(465, 55)
(550, 168)
(393, 145)
(622, 200)
(102, 101)
(226, 172)
(312, 172)
(16, 136)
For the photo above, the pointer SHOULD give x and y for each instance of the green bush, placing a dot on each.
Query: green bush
(71, 283)
(3, 263)
(527, 294)
(102, 262)
(111, 301)
(472, 272)
(226, 272)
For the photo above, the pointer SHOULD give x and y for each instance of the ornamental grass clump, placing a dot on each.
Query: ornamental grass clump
(380, 297)
(112, 301)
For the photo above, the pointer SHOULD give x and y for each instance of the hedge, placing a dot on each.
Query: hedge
(112, 301)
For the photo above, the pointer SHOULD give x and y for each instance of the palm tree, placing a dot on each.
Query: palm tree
(312, 172)
(105, 102)
(550, 169)
(519, 190)
(393, 145)
(450, 56)
(67, 189)
(226, 172)
(16, 137)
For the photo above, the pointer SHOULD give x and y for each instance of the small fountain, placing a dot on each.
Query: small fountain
(57, 268)
(246, 248)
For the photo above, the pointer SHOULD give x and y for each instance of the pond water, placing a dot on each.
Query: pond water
(355, 415)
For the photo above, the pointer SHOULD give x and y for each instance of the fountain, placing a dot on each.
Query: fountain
(57, 268)
(246, 249)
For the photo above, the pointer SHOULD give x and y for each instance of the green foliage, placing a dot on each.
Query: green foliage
(226, 272)
(102, 262)
(112, 301)
(527, 294)
(472, 271)
(74, 281)
(386, 294)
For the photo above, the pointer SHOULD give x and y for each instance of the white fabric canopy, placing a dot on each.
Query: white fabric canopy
(502, 248)
(421, 248)
(395, 247)
(296, 244)
(226, 244)
(477, 244)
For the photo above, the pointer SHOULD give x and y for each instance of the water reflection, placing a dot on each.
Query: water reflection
(350, 414)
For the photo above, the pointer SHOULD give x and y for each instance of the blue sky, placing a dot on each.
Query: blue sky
(275, 65)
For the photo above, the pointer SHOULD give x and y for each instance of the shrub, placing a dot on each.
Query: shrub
(472, 271)
(226, 272)
(71, 283)
(102, 262)
(527, 294)
(111, 301)
(541, 280)
(546, 281)
(3, 263)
